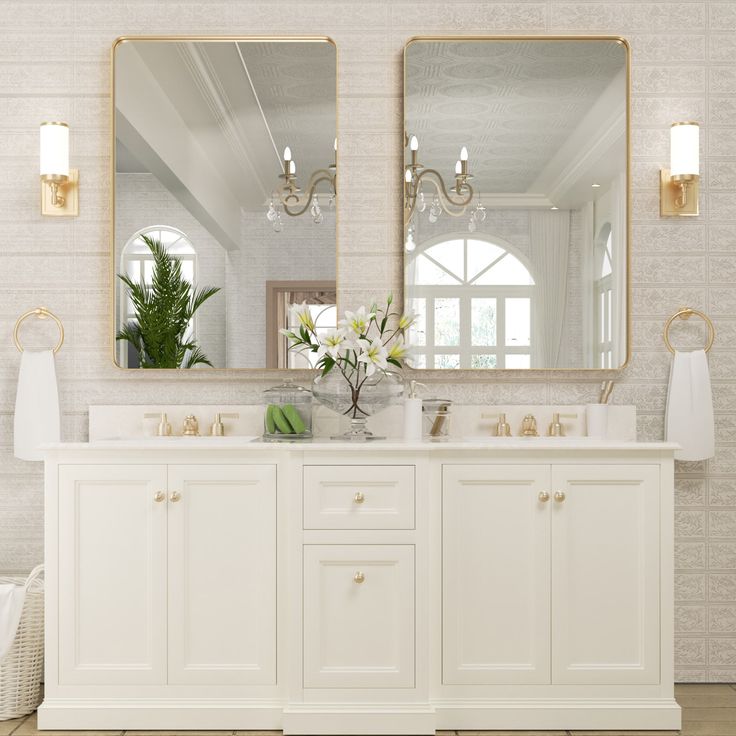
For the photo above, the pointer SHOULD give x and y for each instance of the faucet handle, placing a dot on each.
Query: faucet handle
(218, 428)
(164, 428)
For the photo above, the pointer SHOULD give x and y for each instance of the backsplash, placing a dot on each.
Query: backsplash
(682, 69)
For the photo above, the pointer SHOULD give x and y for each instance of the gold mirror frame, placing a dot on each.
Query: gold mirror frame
(223, 39)
(627, 49)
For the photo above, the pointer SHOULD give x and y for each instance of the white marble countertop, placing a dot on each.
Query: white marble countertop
(256, 444)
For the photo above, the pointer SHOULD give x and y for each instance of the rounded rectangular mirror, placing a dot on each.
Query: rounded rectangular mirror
(224, 162)
(516, 189)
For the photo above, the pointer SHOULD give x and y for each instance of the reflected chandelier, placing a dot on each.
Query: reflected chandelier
(290, 199)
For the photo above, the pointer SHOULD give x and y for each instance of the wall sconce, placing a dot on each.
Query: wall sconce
(678, 185)
(59, 183)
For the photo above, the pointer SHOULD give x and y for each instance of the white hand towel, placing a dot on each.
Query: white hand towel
(37, 418)
(11, 606)
(689, 417)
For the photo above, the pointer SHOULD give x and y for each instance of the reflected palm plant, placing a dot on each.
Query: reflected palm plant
(163, 312)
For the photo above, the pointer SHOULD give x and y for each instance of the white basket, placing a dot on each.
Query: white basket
(22, 667)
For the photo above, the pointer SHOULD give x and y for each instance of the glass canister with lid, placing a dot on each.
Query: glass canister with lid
(287, 412)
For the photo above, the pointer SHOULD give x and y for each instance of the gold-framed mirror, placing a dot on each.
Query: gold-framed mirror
(516, 181)
(224, 193)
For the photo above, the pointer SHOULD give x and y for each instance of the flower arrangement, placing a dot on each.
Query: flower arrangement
(363, 347)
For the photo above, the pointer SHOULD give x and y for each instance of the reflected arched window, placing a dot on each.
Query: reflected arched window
(474, 301)
(137, 262)
(603, 296)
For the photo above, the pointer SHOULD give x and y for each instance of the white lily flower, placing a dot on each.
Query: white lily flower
(407, 320)
(332, 344)
(357, 321)
(373, 354)
(399, 350)
(301, 313)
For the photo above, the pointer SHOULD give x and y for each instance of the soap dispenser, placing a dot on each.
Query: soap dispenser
(413, 414)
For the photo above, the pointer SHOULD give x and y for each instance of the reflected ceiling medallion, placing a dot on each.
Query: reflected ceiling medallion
(290, 199)
(453, 201)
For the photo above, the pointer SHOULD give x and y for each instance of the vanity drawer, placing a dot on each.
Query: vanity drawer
(359, 497)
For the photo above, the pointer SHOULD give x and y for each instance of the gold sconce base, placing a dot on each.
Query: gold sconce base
(671, 196)
(67, 199)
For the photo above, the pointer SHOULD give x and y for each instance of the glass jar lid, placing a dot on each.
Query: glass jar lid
(288, 392)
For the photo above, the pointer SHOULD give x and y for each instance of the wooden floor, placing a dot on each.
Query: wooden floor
(707, 710)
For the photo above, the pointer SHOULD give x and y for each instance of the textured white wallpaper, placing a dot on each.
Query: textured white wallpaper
(54, 64)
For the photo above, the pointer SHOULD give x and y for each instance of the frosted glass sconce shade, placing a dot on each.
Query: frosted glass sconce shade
(54, 149)
(685, 149)
(59, 183)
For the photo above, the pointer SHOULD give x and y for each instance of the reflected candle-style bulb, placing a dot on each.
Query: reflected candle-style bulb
(287, 154)
(414, 143)
(292, 167)
(458, 168)
(463, 154)
(335, 145)
(407, 176)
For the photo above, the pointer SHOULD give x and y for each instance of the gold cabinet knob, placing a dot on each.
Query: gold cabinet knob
(175, 496)
(159, 496)
(358, 497)
(543, 496)
(560, 496)
(358, 578)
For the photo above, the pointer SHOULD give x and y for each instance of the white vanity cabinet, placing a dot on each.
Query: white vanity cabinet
(168, 574)
(381, 588)
(550, 574)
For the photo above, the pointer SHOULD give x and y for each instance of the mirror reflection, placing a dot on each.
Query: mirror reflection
(224, 199)
(516, 202)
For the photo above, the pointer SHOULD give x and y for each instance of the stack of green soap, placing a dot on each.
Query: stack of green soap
(284, 420)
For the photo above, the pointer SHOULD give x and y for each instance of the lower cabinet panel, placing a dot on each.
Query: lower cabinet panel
(495, 573)
(605, 575)
(222, 575)
(112, 568)
(358, 616)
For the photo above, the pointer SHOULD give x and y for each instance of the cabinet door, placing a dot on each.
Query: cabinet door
(495, 574)
(358, 616)
(112, 572)
(222, 574)
(605, 574)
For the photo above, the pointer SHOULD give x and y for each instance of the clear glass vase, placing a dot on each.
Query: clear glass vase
(376, 392)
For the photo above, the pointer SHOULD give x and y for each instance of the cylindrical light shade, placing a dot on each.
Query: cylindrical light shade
(685, 149)
(54, 149)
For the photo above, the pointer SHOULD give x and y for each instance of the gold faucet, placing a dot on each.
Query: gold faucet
(218, 428)
(191, 426)
(529, 426)
(164, 428)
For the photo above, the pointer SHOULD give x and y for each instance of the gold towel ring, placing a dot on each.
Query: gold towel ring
(41, 313)
(686, 313)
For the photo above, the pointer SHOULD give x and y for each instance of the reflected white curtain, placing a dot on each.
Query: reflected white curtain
(588, 279)
(549, 233)
(619, 230)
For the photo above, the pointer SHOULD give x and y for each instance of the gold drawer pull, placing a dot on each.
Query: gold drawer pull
(560, 496)
(159, 496)
(358, 497)
(543, 496)
(358, 578)
(175, 496)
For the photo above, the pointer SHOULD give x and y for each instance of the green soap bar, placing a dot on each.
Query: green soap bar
(282, 425)
(297, 423)
(270, 424)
